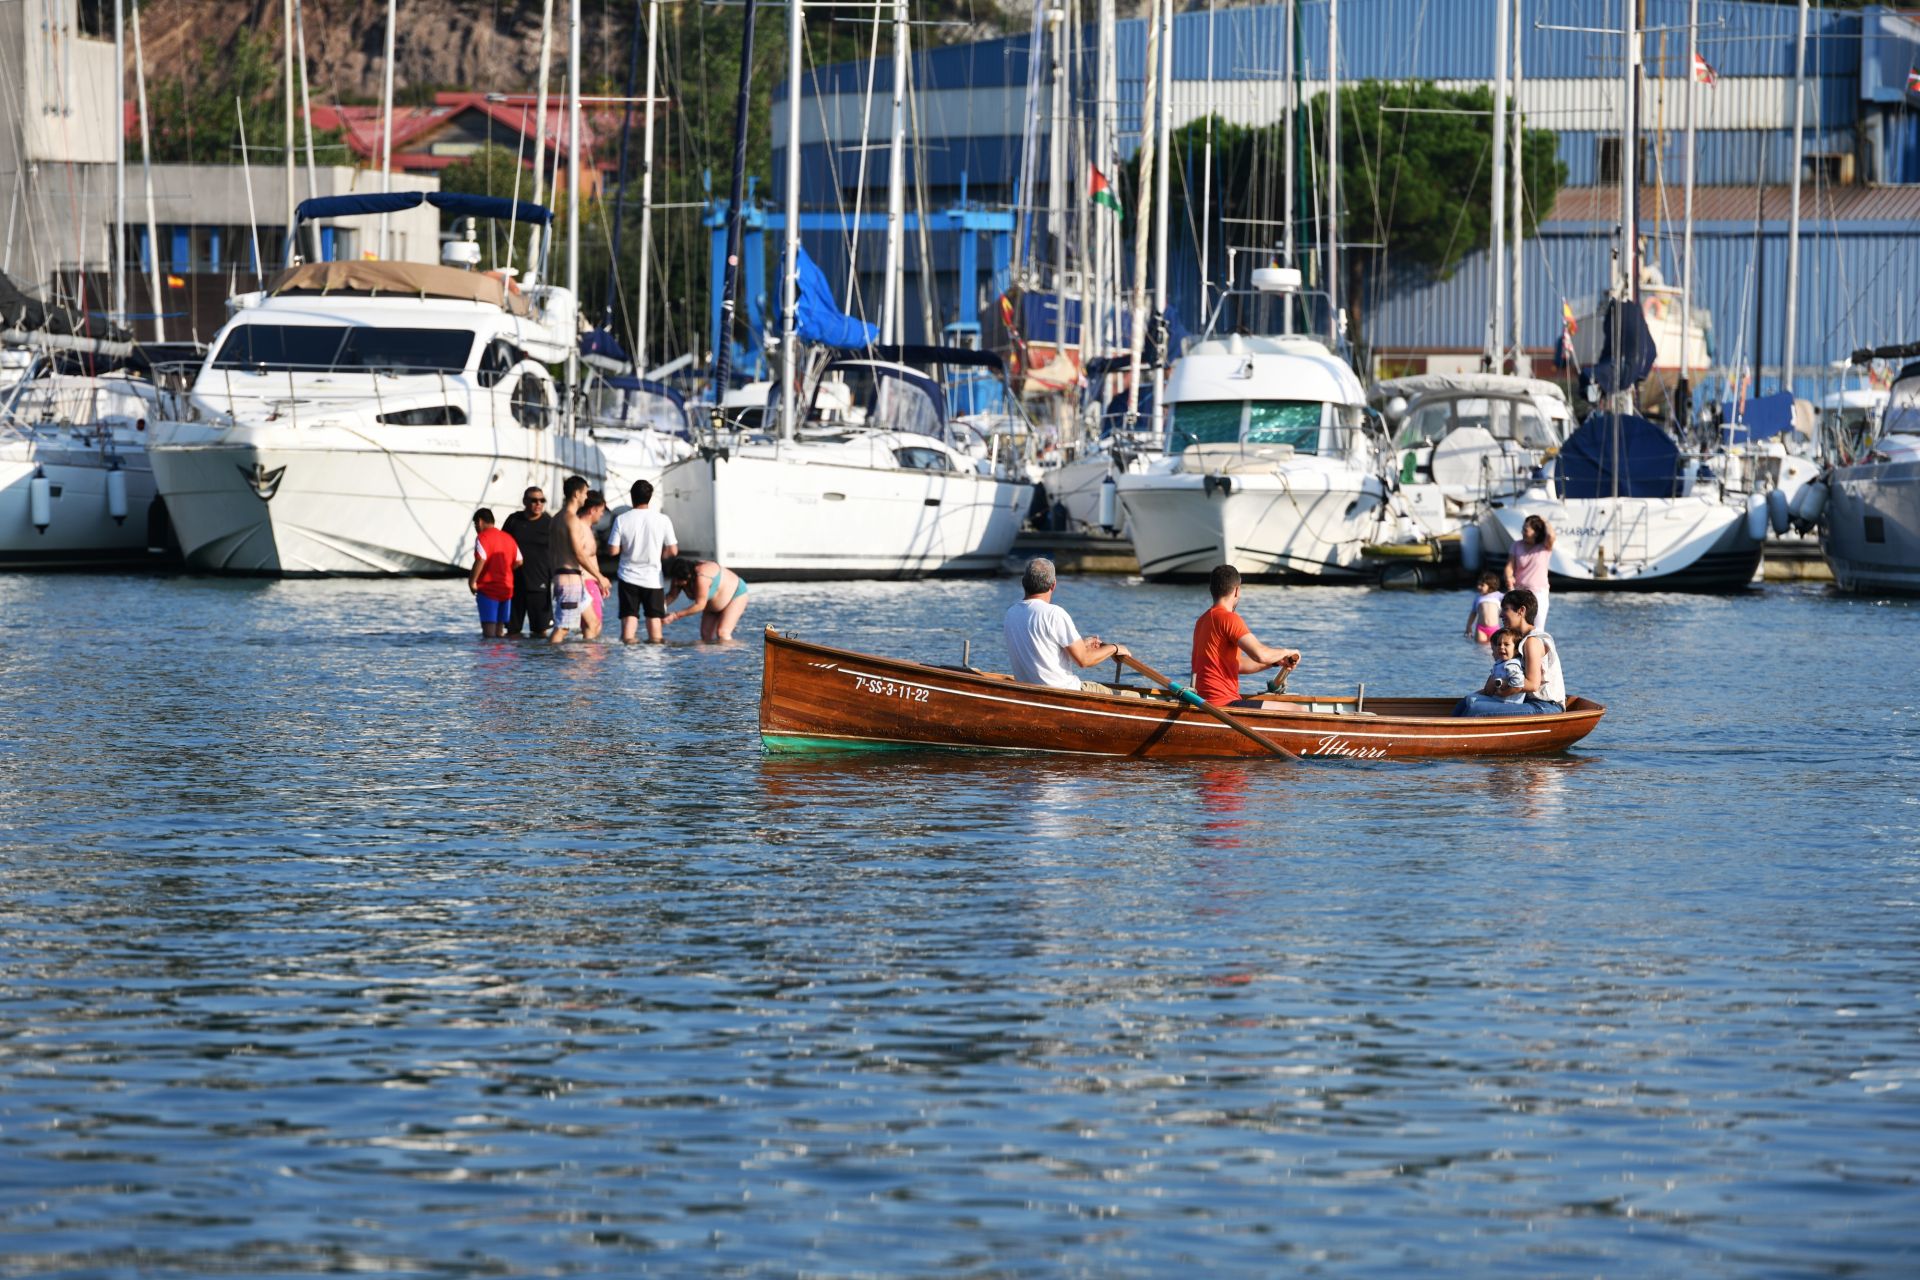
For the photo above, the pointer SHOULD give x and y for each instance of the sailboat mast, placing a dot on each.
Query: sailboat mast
(286, 117)
(1332, 229)
(1793, 216)
(620, 188)
(306, 101)
(1162, 175)
(896, 182)
(386, 132)
(1057, 170)
(646, 189)
(1137, 307)
(1686, 232)
(790, 261)
(1497, 250)
(573, 198)
(119, 256)
(1628, 278)
(535, 253)
(736, 225)
(1290, 97)
(1517, 170)
(146, 178)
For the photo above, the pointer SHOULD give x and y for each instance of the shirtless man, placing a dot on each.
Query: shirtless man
(574, 559)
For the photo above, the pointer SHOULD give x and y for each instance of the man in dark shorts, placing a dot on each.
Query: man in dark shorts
(643, 539)
(532, 589)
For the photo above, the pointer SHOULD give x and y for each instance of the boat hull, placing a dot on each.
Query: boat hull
(815, 698)
(1309, 527)
(82, 533)
(1870, 530)
(1635, 544)
(768, 515)
(295, 502)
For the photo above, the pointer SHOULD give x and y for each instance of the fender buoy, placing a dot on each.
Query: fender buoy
(1810, 502)
(1777, 511)
(1470, 548)
(1109, 506)
(117, 495)
(40, 500)
(1757, 516)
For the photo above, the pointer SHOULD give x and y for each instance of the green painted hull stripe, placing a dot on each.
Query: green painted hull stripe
(800, 742)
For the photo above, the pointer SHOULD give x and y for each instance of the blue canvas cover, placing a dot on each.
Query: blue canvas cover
(1624, 326)
(1648, 459)
(454, 202)
(818, 317)
(1765, 417)
(601, 349)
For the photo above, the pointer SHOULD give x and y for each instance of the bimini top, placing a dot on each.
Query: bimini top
(455, 202)
(1470, 384)
(399, 279)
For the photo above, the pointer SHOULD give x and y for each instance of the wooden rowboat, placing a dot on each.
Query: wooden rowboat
(815, 698)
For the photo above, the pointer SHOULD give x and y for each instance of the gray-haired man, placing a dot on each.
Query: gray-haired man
(1041, 637)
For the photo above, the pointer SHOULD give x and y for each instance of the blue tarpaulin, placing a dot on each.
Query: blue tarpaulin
(454, 202)
(1644, 458)
(1626, 352)
(819, 319)
(1764, 417)
(599, 348)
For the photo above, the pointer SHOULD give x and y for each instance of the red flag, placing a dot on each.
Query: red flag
(1913, 80)
(1702, 72)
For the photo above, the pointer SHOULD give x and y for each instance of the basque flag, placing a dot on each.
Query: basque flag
(1702, 72)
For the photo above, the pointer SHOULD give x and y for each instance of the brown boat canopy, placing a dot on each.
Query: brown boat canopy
(411, 279)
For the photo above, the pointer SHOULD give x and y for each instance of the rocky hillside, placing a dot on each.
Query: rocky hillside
(446, 44)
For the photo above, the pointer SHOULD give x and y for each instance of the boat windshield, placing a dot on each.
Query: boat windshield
(1290, 422)
(319, 348)
(1502, 419)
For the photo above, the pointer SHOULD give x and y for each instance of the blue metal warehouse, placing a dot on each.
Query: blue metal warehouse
(1861, 198)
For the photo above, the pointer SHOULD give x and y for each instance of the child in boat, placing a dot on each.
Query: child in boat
(1505, 683)
(1483, 619)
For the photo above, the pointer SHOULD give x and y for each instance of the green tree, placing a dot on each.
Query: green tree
(193, 113)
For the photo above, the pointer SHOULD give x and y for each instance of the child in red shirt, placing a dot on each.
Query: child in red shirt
(495, 555)
(1224, 647)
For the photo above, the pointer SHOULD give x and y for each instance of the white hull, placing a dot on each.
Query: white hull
(325, 500)
(1870, 530)
(1302, 523)
(1694, 543)
(1077, 486)
(771, 511)
(82, 531)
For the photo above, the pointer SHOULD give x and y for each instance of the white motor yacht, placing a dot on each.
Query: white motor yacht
(1868, 503)
(1271, 466)
(870, 486)
(352, 419)
(1465, 439)
(75, 486)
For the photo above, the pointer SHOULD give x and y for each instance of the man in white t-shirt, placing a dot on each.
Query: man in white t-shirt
(1041, 637)
(642, 539)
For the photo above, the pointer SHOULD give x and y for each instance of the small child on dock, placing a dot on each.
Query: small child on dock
(1483, 619)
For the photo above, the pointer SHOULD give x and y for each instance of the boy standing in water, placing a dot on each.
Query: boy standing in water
(495, 557)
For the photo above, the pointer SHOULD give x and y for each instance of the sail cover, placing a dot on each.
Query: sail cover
(1626, 351)
(1606, 447)
(819, 319)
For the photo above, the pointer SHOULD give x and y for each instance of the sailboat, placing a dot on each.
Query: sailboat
(1867, 504)
(1628, 510)
(863, 475)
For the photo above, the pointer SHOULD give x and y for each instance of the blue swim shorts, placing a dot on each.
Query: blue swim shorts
(492, 610)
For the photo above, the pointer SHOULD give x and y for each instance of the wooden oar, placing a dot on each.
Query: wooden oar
(1194, 700)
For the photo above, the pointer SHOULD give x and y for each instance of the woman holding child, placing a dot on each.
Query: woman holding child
(1542, 688)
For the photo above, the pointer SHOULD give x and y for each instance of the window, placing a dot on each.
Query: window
(433, 415)
(94, 18)
(1289, 422)
(1206, 422)
(530, 401)
(337, 347)
(920, 459)
(499, 357)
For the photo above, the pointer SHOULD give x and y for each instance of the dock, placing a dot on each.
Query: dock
(1080, 552)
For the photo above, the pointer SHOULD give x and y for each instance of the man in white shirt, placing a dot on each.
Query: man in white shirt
(1041, 637)
(642, 539)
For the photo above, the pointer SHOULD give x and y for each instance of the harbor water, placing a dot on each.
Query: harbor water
(334, 938)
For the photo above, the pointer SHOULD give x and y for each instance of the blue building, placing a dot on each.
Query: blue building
(1860, 258)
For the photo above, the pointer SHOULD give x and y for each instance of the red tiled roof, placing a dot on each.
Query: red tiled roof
(1740, 204)
(363, 127)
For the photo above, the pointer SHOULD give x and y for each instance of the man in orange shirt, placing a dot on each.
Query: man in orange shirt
(1224, 647)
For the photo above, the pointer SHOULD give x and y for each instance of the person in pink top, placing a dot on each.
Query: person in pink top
(1527, 562)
